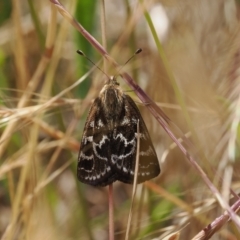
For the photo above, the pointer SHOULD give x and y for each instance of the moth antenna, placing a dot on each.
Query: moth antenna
(83, 54)
(137, 52)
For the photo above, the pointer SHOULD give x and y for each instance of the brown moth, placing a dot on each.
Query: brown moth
(109, 142)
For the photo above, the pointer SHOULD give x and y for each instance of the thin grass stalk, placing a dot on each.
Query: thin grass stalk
(134, 185)
(111, 211)
(139, 212)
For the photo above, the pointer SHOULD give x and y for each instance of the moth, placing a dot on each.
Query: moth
(109, 142)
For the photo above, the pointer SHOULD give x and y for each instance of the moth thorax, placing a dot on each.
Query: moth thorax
(112, 102)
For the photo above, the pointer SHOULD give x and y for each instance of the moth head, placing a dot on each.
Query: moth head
(113, 81)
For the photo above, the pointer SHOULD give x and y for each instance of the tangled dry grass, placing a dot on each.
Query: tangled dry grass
(190, 69)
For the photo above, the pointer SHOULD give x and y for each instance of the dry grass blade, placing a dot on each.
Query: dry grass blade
(134, 186)
(111, 212)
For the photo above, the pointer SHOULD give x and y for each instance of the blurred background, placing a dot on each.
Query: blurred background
(191, 72)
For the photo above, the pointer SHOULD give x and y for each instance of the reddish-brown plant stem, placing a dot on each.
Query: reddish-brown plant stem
(111, 210)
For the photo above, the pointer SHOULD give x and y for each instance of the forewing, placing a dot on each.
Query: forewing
(124, 146)
(94, 154)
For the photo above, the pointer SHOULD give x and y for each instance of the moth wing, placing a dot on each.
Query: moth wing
(124, 146)
(93, 159)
